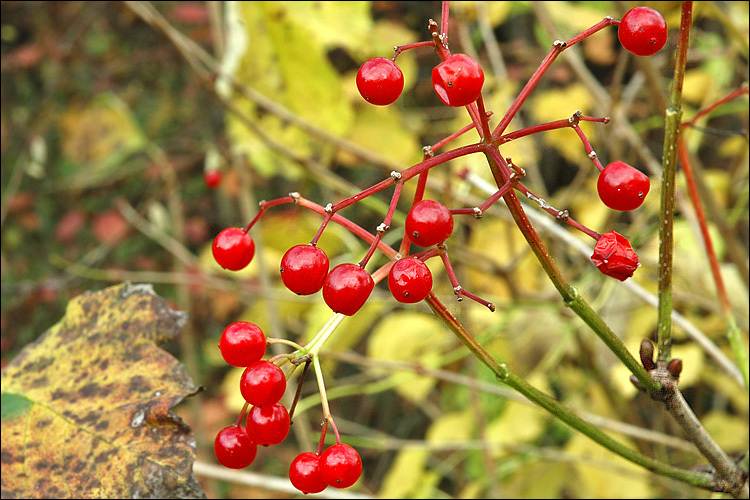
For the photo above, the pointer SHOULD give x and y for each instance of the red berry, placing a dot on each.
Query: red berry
(614, 256)
(429, 222)
(268, 424)
(340, 466)
(622, 187)
(262, 383)
(212, 178)
(642, 31)
(233, 248)
(304, 473)
(242, 344)
(458, 80)
(410, 280)
(380, 81)
(234, 448)
(346, 288)
(303, 269)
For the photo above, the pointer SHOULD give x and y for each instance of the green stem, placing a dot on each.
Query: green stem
(548, 403)
(666, 214)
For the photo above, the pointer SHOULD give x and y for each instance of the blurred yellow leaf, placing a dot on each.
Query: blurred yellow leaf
(98, 137)
(557, 104)
(518, 424)
(729, 431)
(602, 474)
(409, 336)
(379, 128)
(405, 474)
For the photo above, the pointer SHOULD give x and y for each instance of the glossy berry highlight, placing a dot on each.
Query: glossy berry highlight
(429, 222)
(614, 256)
(303, 269)
(622, 187)
(268, 424)
(304, 473)
(340, 466)
(410, 280)
(242, 344)
(346, 288)
(233, 448)
(458, 80)
(380, 81)
(642, 31)
(233, 249)
(262, 383)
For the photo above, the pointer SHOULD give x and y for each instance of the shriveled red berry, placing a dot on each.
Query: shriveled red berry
(429, 222)
(340, 466)
(262, 383)
(268, 424)
(346, 288)
(234, 448)
(614, 256)
(458, 80)
(233, 248)
(304, 473)
(303, 269)
(642, 31)
(212, 178)
(410, 280)
(380, 81)
(242, 344)
(622, 187)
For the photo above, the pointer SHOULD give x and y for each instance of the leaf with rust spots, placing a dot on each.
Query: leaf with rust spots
(86, 409)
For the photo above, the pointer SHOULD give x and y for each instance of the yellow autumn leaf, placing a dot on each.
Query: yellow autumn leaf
(409, 336)
(97, 393)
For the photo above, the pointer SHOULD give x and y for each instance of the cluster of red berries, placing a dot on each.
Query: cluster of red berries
(305, 268)
(267, 423)
(262, 385)
(457, 81)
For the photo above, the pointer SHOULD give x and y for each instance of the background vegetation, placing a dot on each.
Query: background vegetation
(107, 130)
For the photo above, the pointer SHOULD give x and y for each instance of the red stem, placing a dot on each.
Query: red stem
(698, 207)
(704, 112)
(556, 50)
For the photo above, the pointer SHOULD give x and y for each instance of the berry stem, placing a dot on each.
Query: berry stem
(457, 288)
(557, 47)
(298, 392)
(456, 134)
(441, 44)
(543, 127)
(265, 205)
(479, 211)
(290, 343)
(328, 216)
(483, 118)
(386, 223)
(328, 418)
(444, 18)
(559, 215)
(738, 92)
(401, 48)
(241, 416)
(574, 123)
